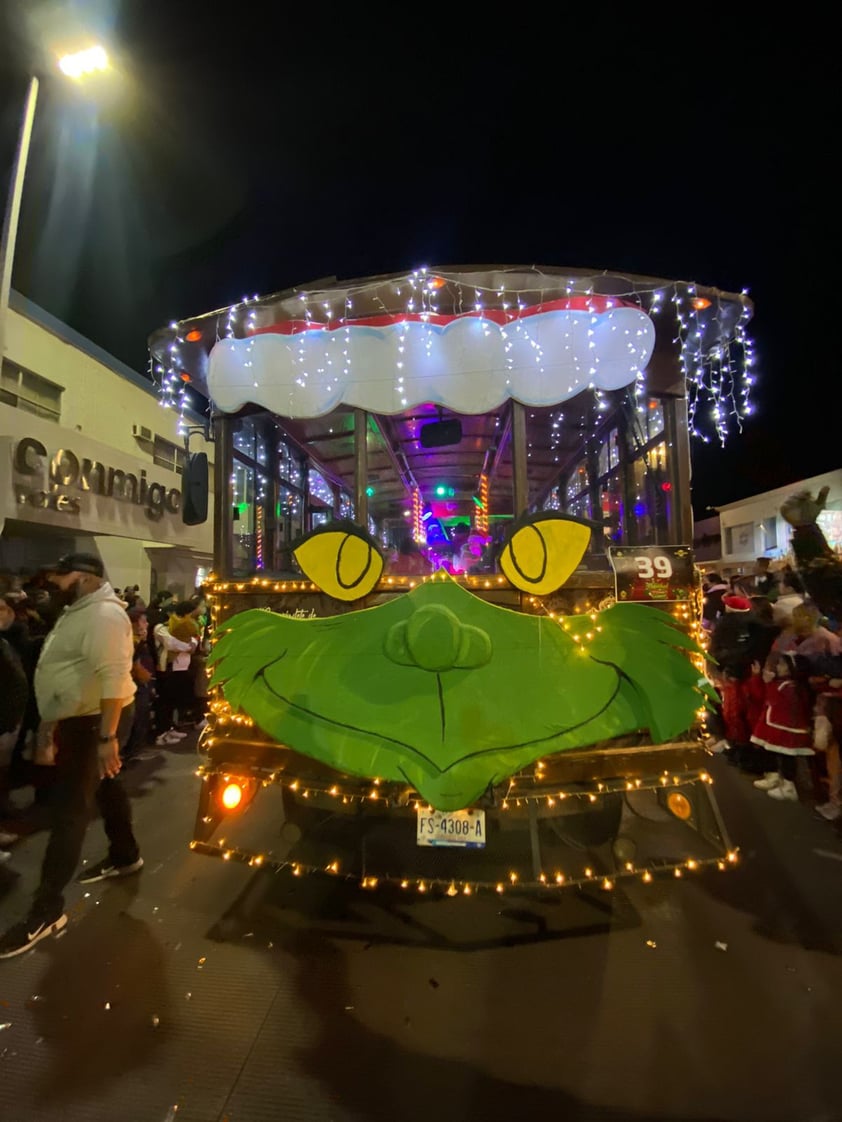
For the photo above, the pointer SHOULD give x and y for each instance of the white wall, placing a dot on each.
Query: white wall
(97, 401)
(100, 405)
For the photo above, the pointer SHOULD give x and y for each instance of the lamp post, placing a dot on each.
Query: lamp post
(76, 66)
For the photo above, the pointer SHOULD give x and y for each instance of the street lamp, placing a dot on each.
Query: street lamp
(77, 66)
(84, 62)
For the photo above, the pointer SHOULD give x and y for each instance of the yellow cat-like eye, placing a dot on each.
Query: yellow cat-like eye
(542, 550)
(341, 559)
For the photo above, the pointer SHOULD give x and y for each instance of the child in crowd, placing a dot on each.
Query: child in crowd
(732, 708)
(739, 641)
(756, 760)
(143, 673)
(785, 726)
(187, 623)
(184, 621)
(742, 705)
(827, 739)
(805, 635)
(174, 686)
(827, 732)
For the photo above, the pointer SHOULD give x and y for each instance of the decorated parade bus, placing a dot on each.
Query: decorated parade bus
(455, 610)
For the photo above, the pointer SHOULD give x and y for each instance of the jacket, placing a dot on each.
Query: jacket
(738, 639)
(785, 726)
(15, 689)
(712, 606)
(172, 652)
(86, 656)
(27, 649)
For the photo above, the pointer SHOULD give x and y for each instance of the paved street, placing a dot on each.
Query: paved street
(202, 991)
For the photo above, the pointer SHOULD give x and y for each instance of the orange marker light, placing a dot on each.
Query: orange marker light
(679, 805)
(232, 796)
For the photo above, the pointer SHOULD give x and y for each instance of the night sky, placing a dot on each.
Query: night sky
(271, 145)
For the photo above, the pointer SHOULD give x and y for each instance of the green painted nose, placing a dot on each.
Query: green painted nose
(433, 639)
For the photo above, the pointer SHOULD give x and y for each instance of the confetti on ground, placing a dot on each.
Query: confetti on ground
(5, 1025)
(651, 943)
(721, 946)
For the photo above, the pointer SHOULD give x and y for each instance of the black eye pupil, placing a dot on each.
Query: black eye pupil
(360, 575)
(521, 536)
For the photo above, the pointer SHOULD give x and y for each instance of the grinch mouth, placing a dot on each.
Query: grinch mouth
(425, 761)
(469, 362)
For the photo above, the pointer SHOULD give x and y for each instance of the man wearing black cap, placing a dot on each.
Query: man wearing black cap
(85, 693)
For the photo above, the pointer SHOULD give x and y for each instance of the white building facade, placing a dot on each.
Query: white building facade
(754, 527)
(89, 460)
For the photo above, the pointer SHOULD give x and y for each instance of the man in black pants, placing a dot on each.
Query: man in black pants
(85, 694)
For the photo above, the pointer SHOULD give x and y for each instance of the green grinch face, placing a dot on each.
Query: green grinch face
(450, 694)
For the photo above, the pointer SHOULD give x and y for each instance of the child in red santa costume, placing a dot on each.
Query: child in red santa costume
(785, 727)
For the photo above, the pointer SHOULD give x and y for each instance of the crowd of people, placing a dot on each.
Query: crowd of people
(168, 671)
(776, 662)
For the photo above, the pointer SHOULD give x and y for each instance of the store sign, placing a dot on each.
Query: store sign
(653, 572)
(68, 474)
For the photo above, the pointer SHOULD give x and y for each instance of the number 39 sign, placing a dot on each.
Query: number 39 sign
(653, 572)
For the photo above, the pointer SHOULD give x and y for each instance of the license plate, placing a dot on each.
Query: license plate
(464, 828)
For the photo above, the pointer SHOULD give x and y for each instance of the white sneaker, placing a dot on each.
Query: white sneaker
(171, 736)
(829, 811)
(770, 779)
(785, 791)
(717, 746)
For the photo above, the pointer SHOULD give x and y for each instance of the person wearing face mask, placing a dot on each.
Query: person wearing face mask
(85, 695)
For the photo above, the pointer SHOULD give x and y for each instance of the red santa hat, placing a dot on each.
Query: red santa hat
(736, 603)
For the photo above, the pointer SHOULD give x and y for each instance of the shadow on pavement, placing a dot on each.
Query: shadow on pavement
(780, 880)
(95, 1007)
(277, 904)
(368, 1075)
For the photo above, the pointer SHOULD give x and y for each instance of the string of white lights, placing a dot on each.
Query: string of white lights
(715, 353)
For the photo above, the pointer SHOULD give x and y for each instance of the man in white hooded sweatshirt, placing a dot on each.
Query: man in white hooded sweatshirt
(85, 694)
